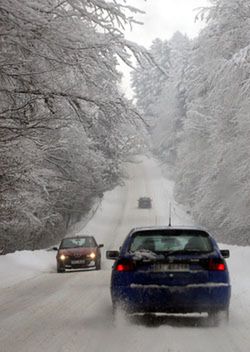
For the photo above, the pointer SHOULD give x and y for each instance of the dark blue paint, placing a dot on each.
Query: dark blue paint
(196, 290)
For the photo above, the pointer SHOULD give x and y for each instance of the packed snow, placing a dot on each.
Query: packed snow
(41, 310)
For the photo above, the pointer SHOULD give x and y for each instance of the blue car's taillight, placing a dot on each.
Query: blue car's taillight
(216, 265)
(124, 265)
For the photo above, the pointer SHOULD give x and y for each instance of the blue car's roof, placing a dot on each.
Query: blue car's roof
(169, 228)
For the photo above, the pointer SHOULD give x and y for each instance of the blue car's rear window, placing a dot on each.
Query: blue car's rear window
(171, 240)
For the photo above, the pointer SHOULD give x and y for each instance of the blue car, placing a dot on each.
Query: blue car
(170, 270)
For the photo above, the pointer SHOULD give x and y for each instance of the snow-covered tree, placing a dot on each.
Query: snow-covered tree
(148, 80)
(62, 115)
(171, 107)
(213, 158)
(202, 113)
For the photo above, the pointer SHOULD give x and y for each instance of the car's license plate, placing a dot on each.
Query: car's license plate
(171, 267)
(79, 261)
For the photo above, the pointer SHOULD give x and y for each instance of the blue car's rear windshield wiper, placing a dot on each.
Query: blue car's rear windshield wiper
(145, 254)
(184, 251)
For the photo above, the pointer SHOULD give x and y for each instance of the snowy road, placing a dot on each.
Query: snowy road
(46, 311)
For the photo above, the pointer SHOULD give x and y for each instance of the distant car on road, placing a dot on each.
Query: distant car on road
(144, 203)
(78, 252)
(171, 270)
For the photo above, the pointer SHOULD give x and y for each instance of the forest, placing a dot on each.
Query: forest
(198, 110)
(66, 127)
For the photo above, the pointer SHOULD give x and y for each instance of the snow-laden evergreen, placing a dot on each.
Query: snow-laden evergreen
(203, 129)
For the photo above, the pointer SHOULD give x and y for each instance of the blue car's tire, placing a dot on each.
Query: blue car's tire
(218, 317)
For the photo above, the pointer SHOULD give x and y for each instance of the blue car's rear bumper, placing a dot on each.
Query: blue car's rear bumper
(173, 299)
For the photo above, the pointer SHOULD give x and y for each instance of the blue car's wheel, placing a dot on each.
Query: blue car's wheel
(218, 317)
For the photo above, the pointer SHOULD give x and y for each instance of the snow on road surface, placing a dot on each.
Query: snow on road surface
(41, 310)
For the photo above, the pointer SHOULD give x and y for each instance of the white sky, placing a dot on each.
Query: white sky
(161, 20)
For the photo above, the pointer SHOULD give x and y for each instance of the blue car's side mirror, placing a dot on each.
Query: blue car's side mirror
(113, 255)
(225, 253)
